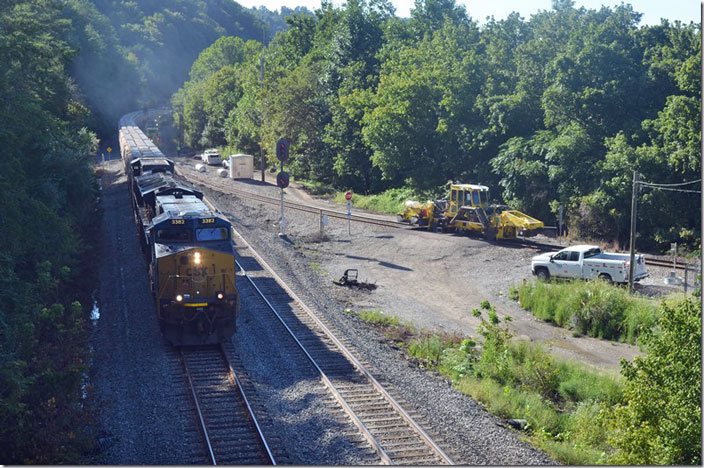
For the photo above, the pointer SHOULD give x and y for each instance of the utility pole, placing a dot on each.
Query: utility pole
(634, 203)
(261, 112)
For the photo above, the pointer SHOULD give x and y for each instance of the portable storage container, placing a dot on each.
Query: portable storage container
(241, 166)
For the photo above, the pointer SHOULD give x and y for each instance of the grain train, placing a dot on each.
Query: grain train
(188, 246)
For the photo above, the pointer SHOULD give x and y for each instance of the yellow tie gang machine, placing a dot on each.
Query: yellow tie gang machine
(468, 209)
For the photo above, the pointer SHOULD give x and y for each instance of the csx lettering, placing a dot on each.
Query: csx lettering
(197, 271)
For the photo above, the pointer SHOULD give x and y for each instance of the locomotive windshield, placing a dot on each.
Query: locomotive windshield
(166, 236)
(212, 234)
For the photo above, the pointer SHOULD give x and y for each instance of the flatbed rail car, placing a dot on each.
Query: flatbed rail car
(188, 247)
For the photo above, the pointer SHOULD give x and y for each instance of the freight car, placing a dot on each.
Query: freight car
(188, 246)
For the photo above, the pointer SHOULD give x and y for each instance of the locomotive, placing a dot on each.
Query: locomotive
(188, 246)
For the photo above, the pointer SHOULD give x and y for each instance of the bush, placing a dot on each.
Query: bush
(593, 308)
(390, 201)
(660, 422)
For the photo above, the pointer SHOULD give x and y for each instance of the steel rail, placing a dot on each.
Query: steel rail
(355, 419)
(246, 406)
(347, 353)
(236, 381)
(201, 420)
(300, 206)
(531, 244)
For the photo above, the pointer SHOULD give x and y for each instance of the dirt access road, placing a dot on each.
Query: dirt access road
(433, 280)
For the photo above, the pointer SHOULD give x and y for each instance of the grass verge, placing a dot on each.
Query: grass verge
(562, 402)
(593, 308)
(390, 201)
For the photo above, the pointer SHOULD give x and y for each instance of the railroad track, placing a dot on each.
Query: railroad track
(224, 416)
(227, 188)
(393, 433)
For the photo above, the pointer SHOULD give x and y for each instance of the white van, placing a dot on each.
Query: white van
(211, 157)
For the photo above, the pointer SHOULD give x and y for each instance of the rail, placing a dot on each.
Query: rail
(251, 447)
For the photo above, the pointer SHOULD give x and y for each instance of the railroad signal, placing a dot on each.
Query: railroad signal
(282, 149)
(348, 196)
(282, 179)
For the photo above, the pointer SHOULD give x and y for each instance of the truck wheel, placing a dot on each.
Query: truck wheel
(543, 274)
(606, 277)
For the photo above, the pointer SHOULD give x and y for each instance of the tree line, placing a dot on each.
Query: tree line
(70, 69)
(556, 110)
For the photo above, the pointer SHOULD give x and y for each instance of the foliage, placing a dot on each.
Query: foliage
(389, 201)
(660, 421)
(593, 308)
(560, 400)
(557, 110)
(48, 230)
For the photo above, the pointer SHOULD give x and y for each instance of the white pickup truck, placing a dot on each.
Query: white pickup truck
(587, 262)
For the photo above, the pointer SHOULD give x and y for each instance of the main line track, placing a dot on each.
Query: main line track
(391, 431)
(224, 416)
(225, 188)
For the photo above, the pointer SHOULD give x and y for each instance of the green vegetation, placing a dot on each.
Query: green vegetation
(389, 201)
(593, 308)
(578, 415)
(558, 109)
(659, 421)
(48, 234)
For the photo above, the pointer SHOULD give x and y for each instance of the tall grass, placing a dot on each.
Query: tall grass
(390, 201)
(592, 308)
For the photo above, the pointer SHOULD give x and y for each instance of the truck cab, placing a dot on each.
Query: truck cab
(211, 157)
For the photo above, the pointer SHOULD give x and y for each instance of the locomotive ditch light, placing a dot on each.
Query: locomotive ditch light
(220, 296)
(179, 298)
(196, 258)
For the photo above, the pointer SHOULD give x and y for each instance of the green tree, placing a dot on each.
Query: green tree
(661, 422)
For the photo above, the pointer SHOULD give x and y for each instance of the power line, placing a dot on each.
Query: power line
(669, 185)
(673, 190)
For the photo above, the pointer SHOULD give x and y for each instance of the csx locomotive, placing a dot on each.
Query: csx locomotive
(188, 246)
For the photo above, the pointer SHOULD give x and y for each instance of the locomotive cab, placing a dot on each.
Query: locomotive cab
(193, 273)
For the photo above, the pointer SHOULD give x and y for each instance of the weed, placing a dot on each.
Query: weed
(591, 308)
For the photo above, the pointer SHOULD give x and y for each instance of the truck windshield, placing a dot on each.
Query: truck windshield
(212, 234)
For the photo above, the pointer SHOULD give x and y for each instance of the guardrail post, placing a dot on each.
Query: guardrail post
(320, 223)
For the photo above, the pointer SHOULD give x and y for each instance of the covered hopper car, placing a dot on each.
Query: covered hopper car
(188, 246)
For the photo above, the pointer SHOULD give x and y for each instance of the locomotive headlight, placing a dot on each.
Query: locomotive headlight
(179, 298)
(196, 258)
(220, 296)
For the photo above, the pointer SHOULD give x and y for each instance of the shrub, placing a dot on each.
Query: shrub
(660, 422)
